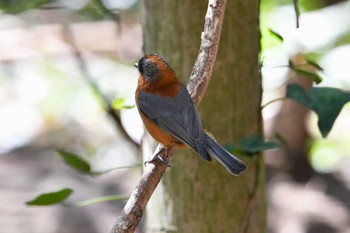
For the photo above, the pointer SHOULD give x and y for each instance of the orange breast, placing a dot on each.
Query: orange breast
(157, 133)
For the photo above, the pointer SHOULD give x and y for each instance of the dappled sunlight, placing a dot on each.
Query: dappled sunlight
(47, 102)
(308, 177)
(51, 58)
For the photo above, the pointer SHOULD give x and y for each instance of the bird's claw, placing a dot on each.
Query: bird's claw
(164, 161)
(157, 156)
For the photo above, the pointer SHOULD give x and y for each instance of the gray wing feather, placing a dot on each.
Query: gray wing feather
(175, 115)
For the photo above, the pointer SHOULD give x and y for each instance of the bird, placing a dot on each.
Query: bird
(170, 116)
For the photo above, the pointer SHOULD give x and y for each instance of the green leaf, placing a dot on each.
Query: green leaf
(75, 161)
(100, 199)
(314, 76)
(329, 103)
(315, 65)
(232, 148)
(51, 198)
(129, 106)
(276, 35)
(326, 102)
(309, 74)
(255, 144)
(251, 145)
(18, 6)
(119, 103)
(297, 93)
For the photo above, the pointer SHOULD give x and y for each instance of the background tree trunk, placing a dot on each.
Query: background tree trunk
(197, 196)
(291, 122)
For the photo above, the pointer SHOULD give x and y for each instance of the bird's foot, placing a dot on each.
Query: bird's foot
(157, 156)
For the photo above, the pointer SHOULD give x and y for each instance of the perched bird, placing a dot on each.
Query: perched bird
(170, 116)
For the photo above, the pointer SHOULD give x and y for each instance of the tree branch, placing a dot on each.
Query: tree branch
(210, 38)
(199, 81)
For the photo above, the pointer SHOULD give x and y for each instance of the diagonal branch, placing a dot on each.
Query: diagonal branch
(210, 38)
(199, 81)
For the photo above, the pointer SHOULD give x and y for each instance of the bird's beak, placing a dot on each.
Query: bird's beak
(136, 65)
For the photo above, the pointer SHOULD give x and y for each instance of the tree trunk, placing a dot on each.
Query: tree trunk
(197, 196)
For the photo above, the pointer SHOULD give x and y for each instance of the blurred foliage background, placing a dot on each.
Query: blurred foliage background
(62, 61)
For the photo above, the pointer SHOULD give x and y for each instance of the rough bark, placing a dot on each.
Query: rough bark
(197, 196)
(202, 72)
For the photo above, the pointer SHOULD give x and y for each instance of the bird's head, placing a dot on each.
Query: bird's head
(154, 68)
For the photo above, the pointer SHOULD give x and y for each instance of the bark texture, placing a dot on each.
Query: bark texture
(197, 196)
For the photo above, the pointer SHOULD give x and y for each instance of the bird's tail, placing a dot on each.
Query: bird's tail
(229, 161)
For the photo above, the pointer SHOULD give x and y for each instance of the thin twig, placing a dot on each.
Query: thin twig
(273, 101)
(200, 77)
(297, 12)
(84, 70)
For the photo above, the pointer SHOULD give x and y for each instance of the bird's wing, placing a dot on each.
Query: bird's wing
(176, 115)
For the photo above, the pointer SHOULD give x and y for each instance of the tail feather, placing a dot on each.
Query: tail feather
(229, 161)
(201, 149)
